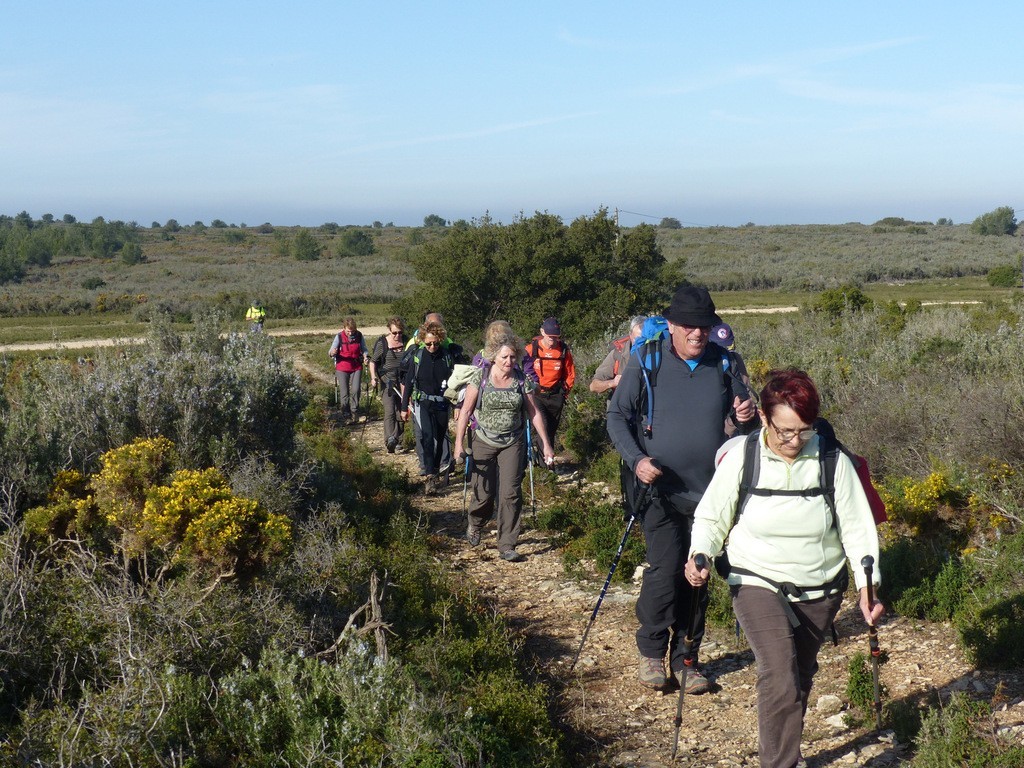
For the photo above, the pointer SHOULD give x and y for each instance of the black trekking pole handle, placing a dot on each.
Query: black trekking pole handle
(868, 564)
(701, 562)
(641, 502)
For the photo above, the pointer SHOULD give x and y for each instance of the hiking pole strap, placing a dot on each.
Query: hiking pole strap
(868, 564)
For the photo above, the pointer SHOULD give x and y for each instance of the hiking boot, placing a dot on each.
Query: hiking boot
(696, 682)
(430, 485)
(473, 536)
(651, 672)
(390, 444)
(511, 556)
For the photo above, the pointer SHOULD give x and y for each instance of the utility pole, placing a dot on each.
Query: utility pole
(616, 229)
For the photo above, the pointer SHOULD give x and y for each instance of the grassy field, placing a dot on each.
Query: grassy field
(201, 270)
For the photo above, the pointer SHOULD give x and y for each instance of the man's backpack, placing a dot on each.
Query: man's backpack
(533, 350)
(829, 449)
(648, 349)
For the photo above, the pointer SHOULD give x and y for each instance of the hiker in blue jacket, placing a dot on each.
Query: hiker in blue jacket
(674, 451)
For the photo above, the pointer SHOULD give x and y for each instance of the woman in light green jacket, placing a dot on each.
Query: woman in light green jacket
(787, 556)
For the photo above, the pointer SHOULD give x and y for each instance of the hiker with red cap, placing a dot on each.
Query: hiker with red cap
(556, 373)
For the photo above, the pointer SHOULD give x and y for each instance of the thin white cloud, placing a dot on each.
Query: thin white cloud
(477, 133)
(791, 65)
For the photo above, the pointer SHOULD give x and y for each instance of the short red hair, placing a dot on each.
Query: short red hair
(794, 388)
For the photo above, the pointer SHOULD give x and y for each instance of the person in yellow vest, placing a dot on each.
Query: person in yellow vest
(256, 314)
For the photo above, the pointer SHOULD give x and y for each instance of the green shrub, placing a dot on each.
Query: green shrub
(860, 689)
(586, 434)
(1004, 277)
(962, 734)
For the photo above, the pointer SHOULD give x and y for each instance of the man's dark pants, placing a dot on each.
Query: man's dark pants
(550, 404)
(666, 598)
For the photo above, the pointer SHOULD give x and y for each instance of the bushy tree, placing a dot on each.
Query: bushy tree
(588, 273)
(1001, 221)
(670, 223)
(355, 242)
(433, 220)
(218, 224)
(305, 246)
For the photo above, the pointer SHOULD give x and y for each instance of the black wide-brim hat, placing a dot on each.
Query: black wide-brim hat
(693, 306)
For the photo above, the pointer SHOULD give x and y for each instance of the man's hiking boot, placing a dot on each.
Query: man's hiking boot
(473, 536)
(696, 683)
(390, 444)
(430, 485)
(511, 556)
(651, 673)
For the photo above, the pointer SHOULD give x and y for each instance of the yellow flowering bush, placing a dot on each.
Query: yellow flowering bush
(198, 513)
(917, 502)
(126, 475)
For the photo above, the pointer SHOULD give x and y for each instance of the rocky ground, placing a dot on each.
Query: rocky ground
(622, 724)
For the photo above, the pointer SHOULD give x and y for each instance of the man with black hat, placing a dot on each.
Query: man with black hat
(672, 448)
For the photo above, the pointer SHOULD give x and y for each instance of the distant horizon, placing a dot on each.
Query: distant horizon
(626, 219)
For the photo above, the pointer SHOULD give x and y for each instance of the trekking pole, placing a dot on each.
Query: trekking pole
(636, 512)
(868, 564)
(468, 458)
(701, 562)
(529, 461)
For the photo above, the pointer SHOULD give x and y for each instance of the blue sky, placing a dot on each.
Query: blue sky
(307, 112)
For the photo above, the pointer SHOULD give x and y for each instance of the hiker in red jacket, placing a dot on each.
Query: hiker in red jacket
(556, 373)
(348, 351)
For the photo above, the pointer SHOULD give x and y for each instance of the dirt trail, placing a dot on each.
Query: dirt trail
(629, 726)
(41, 346)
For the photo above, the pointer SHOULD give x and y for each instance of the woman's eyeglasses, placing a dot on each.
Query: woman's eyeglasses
(395, 333)
(431, 343)
(785, 435)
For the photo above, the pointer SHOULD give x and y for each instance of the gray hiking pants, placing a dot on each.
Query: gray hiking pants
(348, 390)
(787, 659)
(498, 489)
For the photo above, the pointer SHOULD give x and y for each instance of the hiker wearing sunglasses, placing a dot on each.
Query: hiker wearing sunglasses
(385, 365)
(787, 554)
(667, 429)
(423, 399)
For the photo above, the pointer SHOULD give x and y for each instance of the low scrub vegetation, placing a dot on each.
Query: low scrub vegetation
(254, 591)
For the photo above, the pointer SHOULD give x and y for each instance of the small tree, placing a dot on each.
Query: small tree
(355, 242)
(1001, 221)
(132, 254)
(433, 220)
(218, 224)
(670, 223)
(305, 246)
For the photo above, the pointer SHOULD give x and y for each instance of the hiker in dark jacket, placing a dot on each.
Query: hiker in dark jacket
(348, 351)
(430, 366)
(457, 354)
(778, 539)
(385, 364)
(691, 400)
(499, 396)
